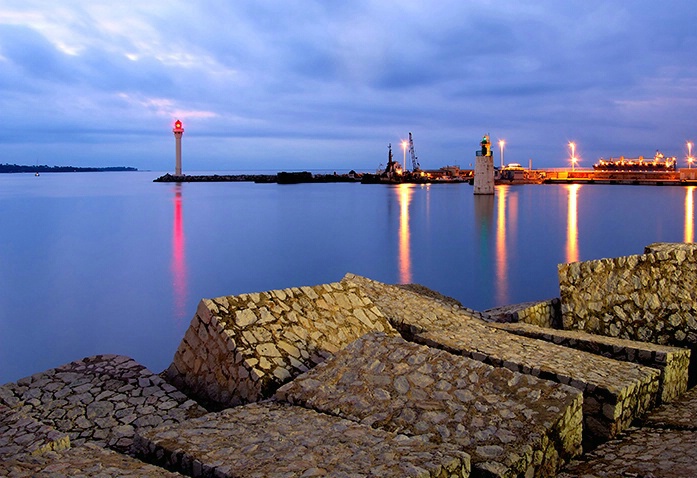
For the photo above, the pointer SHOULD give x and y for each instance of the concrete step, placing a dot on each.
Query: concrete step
(673, 362)
(275, 440)
(615, 393)
(511, 424)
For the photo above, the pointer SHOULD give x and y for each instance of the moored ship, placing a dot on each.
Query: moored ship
(659, 163)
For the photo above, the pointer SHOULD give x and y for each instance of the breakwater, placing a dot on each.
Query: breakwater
(361, 378)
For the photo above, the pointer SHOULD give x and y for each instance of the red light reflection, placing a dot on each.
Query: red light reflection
(178, 257)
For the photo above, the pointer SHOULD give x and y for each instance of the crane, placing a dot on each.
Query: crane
(415, 166)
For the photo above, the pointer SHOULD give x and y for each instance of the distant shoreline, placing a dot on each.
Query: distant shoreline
(15, 168)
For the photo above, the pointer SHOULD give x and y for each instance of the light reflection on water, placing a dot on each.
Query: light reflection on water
(102, 263)
(689, 214)
(572, 223)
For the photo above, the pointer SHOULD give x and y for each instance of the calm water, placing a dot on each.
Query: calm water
(95, 263)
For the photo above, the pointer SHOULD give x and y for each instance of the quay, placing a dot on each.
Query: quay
(455, 175)
(361, 378)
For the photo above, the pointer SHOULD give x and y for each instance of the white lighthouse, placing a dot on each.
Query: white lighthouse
(178, 130)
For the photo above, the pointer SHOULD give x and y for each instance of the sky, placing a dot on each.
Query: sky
(319, 85)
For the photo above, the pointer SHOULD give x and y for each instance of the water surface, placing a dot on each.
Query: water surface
(94, 263)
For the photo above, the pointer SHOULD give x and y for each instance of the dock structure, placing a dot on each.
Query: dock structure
(359, 377)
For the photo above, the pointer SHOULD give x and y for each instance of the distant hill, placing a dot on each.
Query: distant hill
(15, 168)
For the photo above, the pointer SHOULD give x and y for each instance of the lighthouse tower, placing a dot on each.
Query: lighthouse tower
(484, 169)
(178, 131)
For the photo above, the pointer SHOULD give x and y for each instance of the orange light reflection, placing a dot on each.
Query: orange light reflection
(501, 250)
(572, 224)
(178, 257)
(690, 214)
(405, 192)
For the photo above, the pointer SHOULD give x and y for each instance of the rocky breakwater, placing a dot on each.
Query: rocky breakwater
(672, 362)
(240, 349)
(650, 297)
(511, 424)
(60, 422)
(615, 393)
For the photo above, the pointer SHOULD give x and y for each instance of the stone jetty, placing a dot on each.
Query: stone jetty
(360, 378)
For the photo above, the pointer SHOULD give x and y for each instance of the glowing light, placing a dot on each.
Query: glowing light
(690, 214)
(690, 159)
(572, 145)
(178, 127)
(405, 192)
(501, 250)
(178, 265)
(404, 148)
(572, 224)
(501, 145)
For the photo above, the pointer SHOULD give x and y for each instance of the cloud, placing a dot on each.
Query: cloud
(340, 75)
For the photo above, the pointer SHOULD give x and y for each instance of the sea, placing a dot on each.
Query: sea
(113, 263)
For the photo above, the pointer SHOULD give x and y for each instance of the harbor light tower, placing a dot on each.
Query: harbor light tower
(484, 168)
(178, 131)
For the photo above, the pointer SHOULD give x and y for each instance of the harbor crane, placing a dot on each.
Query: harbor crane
(415, 166)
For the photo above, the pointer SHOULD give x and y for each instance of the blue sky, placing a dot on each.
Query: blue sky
(292, 85)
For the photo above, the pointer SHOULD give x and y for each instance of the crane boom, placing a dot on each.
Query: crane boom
(415, 166)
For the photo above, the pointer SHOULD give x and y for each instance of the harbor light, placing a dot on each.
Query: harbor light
(501, 144)
(404, 148)
(690, 159)
(572, 145)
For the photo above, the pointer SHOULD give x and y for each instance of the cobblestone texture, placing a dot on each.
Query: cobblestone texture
(22, 435)
(511, 424)
(543, 314)
(673, 362)
(411, 312)
(679, 415)
(640, 453)
(273, 440)
(88, 460)
(615, 393)
(102, 399)
(650, 297)
(241, 349)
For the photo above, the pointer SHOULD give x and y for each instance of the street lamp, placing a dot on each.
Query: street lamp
(572, 145)
(404, 148)
(501, 143)
(689, 154)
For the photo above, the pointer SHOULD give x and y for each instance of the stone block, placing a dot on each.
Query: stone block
(411, 312)
(673, 362)
(641, 452)
(99, 399)
(511, 424)
(650, 297)
(615, 393)
(542, 313)
(275, 440)
(247, 346)
(23, 435)
(82, 461)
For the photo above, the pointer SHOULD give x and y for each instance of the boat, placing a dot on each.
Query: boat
(659, 163)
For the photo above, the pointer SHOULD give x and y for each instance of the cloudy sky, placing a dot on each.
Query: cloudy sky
(302, 84)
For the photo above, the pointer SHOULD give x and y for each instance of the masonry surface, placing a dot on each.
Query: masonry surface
(360, 378)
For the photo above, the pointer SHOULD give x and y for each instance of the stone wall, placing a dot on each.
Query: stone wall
(240, 349)
(545, 313)
(651, 297)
